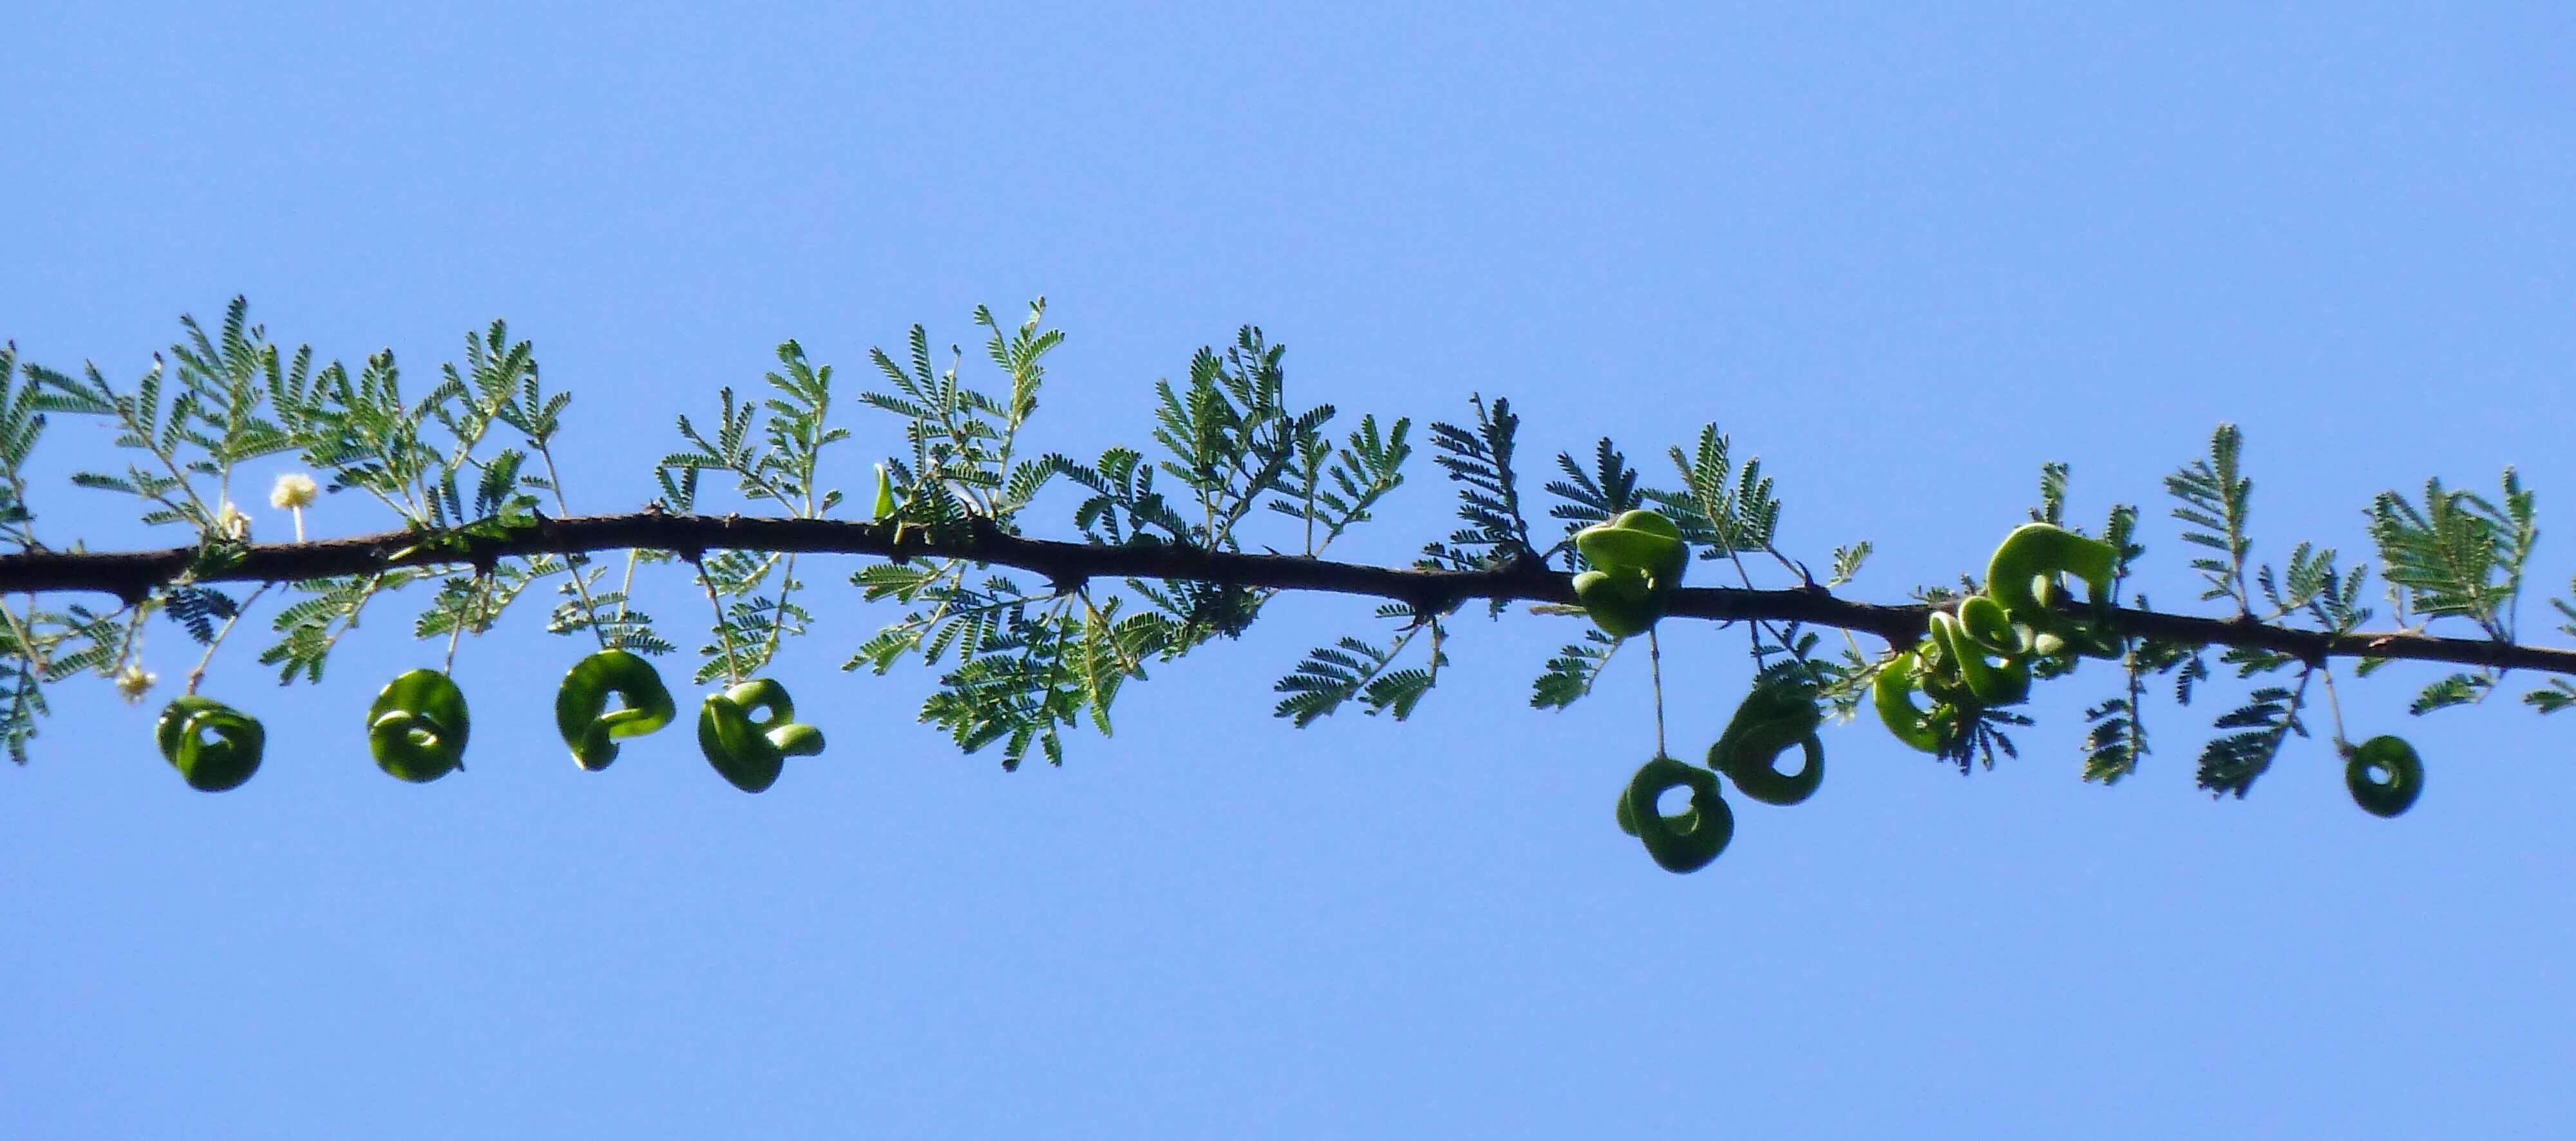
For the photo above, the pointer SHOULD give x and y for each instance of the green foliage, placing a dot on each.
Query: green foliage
(1479, 459)
(1730, 510)
(1594, 496)
(1847, 562)
(2216, 500)
(1234, 467)
(964, 441)
(2114, 740)
(1352, 668)
(2558, 694)
(2052, 494)
(1360, 474)
(198, 428)
(1029, 664)
(307, 630)
(1569, 675)
(1231, 434)
(2459, 556)
(1123, 506)
(20, 425)
(2231, 762)
(2329, 597)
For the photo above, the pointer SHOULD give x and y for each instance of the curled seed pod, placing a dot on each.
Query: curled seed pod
(1937, 674)
(2039, 551)
(1636, 540)
(581, 705)
(1637, 562)
(1687, 842)
(749, 753)
(418, 725)
(1991, 685)
(1627, 820)
(1773, 718)
(1988, 624)
(885, 505)
(216, 765)
(1893, 694)
(2404, 780)
(1621, 602)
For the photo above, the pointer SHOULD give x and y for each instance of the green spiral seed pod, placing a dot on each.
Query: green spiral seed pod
(2036, 551)
(750, 753)
(1893, 694)
(581, 705)
(1622, 603)
(1988, 624)
(209, 766)
(2405, 775)
(1772, 719)
(418, 725)
(1684, 843)
(1637, 561)
(1637, 540)
(1991, 685)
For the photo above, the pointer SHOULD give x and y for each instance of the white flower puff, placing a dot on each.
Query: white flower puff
(294, 489)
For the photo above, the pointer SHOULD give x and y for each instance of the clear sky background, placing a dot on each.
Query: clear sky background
(1904, 257)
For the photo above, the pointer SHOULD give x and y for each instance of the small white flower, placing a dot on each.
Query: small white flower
(133, 682)
(294, 489)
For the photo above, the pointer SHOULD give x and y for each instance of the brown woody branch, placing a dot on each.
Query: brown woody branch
(132, 575)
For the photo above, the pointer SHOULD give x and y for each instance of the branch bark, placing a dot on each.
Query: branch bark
(132, 575)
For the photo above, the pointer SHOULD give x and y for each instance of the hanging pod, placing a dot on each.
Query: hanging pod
(1687, 842)
(747, 752)
(418, 725)
(1773, 718)
(2394, 757)
(216, 765)
(581, 706)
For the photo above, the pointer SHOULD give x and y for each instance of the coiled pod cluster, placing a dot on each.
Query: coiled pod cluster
(1779, 714)
(1980, 657)
(418, 725)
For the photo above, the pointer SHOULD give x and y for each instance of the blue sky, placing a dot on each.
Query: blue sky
(1904, 257)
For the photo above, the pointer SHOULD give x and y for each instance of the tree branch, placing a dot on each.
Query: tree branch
(134, 574)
